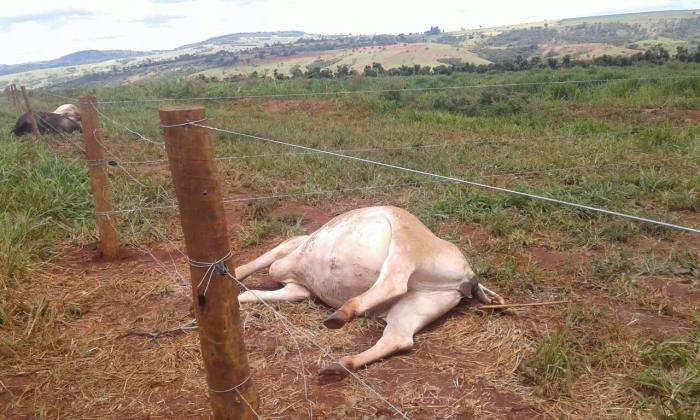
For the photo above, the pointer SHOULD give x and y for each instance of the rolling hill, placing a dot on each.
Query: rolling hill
(269, 53)
(73, 59)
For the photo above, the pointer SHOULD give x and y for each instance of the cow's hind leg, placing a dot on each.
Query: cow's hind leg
(266, 259)
(391, 283)
(409, 315)
(290, 292)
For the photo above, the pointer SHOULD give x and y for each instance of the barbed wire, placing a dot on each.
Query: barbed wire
(440, 178)
(416, 89)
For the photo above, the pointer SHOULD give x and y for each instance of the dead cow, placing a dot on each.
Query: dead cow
(69, 110)
(376, 261)
(47, 122)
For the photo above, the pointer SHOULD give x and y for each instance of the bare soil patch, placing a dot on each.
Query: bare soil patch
(641, 115)
(557, 261)
(462, 366)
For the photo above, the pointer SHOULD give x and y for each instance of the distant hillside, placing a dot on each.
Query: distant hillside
(295, 53)
(73, 59)
(243, 36)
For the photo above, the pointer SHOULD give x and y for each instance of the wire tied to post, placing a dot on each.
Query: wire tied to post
(219, 267)
(98, 162)
(235, 388)
(193, 123)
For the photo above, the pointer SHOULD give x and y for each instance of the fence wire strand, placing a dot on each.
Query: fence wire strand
(437, 178)
(456, 180)
(304, 372)
(416, 89)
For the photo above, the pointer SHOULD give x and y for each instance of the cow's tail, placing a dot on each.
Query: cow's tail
(474, 288)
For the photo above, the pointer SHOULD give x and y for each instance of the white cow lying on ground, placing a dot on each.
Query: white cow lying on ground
(375, 261)
(68, 110)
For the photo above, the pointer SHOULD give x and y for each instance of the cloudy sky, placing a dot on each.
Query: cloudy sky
(32, 30)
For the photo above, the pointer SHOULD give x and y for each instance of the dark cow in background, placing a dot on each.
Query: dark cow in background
(47, 122)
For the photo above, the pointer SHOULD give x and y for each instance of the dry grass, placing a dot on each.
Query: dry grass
(65, 347)
(70, 355)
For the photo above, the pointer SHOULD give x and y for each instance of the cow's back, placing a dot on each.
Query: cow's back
(68, 110)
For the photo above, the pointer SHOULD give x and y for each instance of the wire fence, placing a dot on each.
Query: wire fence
(290, 328)
(170, 266)
(457, 180)
(379, 91)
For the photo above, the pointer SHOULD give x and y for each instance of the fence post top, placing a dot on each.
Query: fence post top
(87, 99)
(179, 115)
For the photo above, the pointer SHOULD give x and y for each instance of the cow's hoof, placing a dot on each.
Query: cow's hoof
(332, 373)
(337, 320)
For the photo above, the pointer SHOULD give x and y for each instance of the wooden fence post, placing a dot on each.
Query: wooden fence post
(8, 92)
(15, 99)
(20, 107)
(101, 191)
(32, 117)
(206, 238)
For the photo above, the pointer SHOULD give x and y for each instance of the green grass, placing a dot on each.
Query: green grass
(526, 119)
(45, 202)
(626, 146)
(672, 378)
(258, 230)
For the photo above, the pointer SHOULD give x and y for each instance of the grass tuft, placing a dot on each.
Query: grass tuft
(671, 379)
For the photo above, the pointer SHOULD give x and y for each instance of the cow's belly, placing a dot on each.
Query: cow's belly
(343, 259)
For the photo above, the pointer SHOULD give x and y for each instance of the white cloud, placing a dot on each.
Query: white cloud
(164, 24)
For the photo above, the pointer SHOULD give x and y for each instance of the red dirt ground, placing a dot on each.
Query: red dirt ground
(642, 115)
(461, 367)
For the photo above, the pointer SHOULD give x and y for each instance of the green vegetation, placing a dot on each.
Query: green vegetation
(672, 378)
(259, 230)
(45, 202)
(605, 40)
(589, 342)
(628, 145)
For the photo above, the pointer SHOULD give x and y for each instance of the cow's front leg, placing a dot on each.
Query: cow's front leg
(391, 283)
(408, 316)
(289, 293)
(268, 258)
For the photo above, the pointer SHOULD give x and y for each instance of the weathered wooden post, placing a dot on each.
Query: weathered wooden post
(20, 107)
(232, 394)
(8, 92)
(101, 191)
(32, 118)
(15, 99)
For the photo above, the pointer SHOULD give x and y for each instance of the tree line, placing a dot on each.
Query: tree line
(654, 55)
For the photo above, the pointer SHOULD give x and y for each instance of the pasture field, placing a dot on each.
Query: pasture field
(391, 56)
(74, 330)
